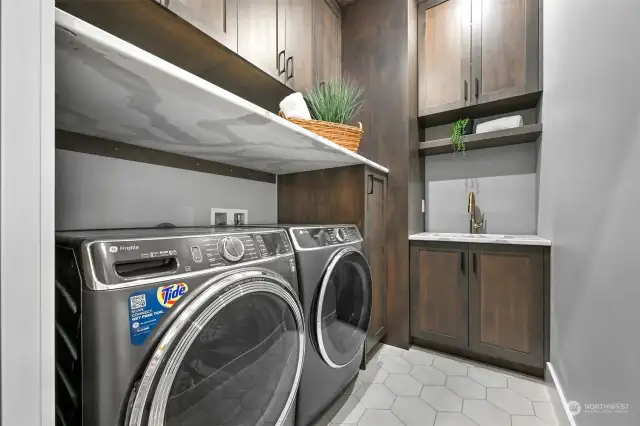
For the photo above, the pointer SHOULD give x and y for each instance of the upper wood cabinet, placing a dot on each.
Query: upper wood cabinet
(217, 18)
(327, 40)
(476, 51)
(259, 39)
(444, 55)
(440, 294)
(507, 303)
(299, 45)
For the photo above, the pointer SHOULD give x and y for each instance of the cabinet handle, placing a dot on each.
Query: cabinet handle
(290, 70)
(462, 261)
(281, 63)
(473, 263)
(370, 190)
(466, 90)
(477, 88)
(322, 85)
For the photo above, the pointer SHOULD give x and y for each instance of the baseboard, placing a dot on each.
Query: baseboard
(569, 419)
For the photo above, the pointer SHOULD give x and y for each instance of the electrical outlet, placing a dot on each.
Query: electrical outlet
(235, 217)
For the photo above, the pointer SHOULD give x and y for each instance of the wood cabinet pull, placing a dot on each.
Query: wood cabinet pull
(370, 190)
(466, 90)
(477, 88)
(281, 63)
(473, 263)
(462, 261)
(290, 70)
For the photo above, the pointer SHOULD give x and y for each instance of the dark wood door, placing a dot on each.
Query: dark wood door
(216, 18)
(327, 40)
(374, 245)
(439, 293)
(505, 48)
(299, 45)
(444, 55)
(506, 303)
(258, 37)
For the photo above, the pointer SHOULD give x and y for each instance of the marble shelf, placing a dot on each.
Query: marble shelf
(111, 89)
(522, 240)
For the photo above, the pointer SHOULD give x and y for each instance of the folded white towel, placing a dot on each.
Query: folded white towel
(500, 124)
(294, 106)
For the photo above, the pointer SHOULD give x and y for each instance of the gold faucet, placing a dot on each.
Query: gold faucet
(474, 225)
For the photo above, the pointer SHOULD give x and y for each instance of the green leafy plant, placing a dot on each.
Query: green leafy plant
(335, 101)
(457, 135)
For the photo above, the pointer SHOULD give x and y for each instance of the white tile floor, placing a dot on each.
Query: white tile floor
(424, 388)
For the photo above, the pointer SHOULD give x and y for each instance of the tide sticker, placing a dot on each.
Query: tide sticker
(147, 307)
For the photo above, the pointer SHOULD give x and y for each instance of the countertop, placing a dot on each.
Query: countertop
(523, 240)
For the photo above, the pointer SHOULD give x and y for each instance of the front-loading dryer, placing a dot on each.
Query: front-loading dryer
(335, 292)
(173, 327)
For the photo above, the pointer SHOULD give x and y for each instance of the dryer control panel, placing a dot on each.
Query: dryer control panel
(315, 237)
(116, 261)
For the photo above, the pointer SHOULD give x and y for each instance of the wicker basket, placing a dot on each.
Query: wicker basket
(348, 137)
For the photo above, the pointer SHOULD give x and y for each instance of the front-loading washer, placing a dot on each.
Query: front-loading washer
(177, 327)
(335, 291)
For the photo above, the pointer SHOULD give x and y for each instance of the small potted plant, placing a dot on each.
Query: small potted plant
(458, 131)
(332, 105)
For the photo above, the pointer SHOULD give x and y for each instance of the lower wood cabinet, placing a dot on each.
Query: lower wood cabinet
(483, 301)
(345, 195)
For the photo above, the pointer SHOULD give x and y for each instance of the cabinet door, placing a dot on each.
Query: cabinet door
(217, 18)
(439, 294)
(299, 45)
(505, 48)
(327, 40)
(506, 303)
(258, 35)
(444, 55)
(375, 242)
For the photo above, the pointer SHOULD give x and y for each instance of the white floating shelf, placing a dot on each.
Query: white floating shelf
(111, 89)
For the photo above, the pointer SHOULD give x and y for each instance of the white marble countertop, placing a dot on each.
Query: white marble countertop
(522, 240)
(111, 89)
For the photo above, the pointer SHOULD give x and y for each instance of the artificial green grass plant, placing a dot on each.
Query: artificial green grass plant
(335, 101)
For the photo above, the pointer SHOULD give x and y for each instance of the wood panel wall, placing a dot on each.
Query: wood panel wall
(379, 50)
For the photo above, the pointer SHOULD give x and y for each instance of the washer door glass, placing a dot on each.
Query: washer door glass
(343, 308)
(236, 361)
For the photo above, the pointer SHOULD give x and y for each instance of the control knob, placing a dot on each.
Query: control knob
(231, 249)
(340, 235)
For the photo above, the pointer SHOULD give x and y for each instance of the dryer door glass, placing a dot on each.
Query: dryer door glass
(343, 308)
(236, 361)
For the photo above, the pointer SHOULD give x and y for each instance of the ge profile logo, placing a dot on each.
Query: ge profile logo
(574, 408)
(113, 249)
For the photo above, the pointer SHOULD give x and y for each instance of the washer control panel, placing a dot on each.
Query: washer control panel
(130, 260)
(314, 237)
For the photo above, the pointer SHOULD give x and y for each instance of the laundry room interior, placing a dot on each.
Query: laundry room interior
(322, 213)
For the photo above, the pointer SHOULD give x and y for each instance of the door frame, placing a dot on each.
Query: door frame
(535, 357)
(532, 42)
(465, 63)
(461, 341)
(27, 188)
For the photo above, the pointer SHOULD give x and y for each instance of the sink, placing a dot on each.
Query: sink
(463, 235)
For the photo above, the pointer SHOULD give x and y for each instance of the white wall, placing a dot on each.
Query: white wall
(590, 201)
(95, 192)
(27, 199)
(503, 179)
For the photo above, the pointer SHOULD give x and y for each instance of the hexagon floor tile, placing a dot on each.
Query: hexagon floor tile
(375, 396)
(441, 398)
(379, 418)
(466, 387)
(420, 387)
(428, 375)
(510, 401)
(413, 411)
(485, 413)
(403, 385)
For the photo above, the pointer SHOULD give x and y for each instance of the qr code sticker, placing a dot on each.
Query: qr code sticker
(139, 301)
